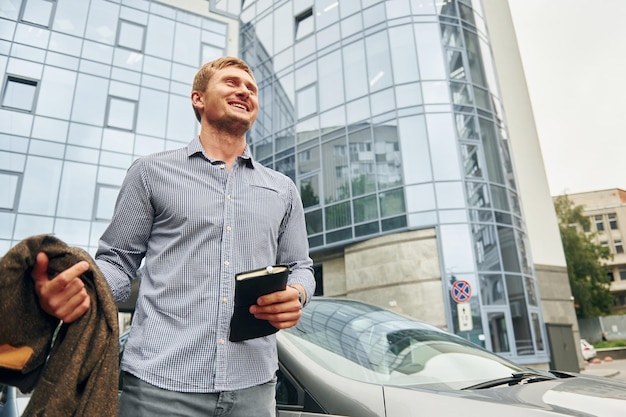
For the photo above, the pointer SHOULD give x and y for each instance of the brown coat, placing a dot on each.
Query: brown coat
(80, 376)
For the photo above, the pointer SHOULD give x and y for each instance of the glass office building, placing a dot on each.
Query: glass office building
(386, 114)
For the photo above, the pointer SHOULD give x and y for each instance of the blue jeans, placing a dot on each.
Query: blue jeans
(140, 399)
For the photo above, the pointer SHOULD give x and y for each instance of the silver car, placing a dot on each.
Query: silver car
(347, 358)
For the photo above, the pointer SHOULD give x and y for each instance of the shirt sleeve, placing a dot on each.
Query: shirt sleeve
(123, 245)
(293, 245)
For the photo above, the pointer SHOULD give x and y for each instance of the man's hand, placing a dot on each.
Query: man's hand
(65, 296)
(282, 308)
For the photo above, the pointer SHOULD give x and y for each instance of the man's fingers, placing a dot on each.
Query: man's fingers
(40, 273)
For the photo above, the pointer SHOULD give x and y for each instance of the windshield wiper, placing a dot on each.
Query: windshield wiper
(514, 379)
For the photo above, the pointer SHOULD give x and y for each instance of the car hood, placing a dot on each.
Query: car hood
(577, 396)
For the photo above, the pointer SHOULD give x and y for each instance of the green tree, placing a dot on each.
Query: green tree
(588, 274)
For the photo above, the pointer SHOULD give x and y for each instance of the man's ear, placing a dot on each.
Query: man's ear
(197, 100)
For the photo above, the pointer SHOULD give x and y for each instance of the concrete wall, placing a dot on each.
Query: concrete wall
(400, 272)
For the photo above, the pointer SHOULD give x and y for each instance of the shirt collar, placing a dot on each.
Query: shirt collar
(195, 147)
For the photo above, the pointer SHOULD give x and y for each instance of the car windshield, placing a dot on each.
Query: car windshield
(370, 344)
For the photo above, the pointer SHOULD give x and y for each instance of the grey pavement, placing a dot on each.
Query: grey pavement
(608, 368)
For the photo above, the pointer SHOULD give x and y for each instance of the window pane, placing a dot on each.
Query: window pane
(314, 222)
(392, 202)
(378, 61)
(307, 101)
(309, 191)
(336, 170)
(365, 209)
(338, 216)
(304, 24)
(121, 113)
(131, 36)
(8, 188)
(330, 81)
(56, 93)
(38, 12)
(105, 202)
(40, 187)
(19, 94)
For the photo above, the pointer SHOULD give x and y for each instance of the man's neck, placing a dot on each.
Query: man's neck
(222, 146)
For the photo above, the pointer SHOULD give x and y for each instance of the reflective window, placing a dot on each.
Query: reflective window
(38, 12)
(499, 332)
(362, 163)
(102, 22)
(519, 315)
(121, 113)
(314, 223)
(304, 24)
(378, 61)
(352, 24)
(354, 70)
(72, 232)
(184, 50)
(105, 201)
(90, 102)
(70, 17)
(309, 191)
(8, 189)
(365, 209)
(19, 93)
(308, 160)
(306, 101)
(429, 52)
(210, 52)
(56, 93)
(391, 202)
(338, 215)
(336, 170)
(10, 9)
(131, 35)
(152, 112)
(160, 37)
(403, 54)
(537, 327)
(40, 187)
(492, 290)
(330, 81)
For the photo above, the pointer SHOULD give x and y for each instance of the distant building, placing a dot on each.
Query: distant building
(606, 210)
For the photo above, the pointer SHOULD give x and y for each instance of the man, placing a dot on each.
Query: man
(195, 217)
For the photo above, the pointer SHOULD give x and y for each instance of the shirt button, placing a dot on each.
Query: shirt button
(226, 263)
(221, 341)
(222, 166)
(229, 228)
(224, 300)
(228, 197)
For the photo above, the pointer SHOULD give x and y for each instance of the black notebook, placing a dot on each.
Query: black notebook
(249, 286)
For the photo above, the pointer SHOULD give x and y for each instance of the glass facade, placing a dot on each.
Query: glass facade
(386, 114)
(87, 86)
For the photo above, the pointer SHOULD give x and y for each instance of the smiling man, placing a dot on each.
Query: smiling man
(185, 222)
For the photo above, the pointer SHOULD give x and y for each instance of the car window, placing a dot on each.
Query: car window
(378, 346)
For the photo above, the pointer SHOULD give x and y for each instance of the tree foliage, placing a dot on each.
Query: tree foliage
(588, 274)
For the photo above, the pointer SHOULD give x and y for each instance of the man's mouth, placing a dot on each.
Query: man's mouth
(239, 106)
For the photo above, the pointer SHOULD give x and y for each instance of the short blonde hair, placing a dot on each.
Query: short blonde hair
(204, 74)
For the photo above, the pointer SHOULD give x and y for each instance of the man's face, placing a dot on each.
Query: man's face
(230, 100)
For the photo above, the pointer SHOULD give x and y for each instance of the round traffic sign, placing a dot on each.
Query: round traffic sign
(461, 291)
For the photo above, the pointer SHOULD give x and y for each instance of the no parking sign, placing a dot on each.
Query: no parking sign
(461, 291)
